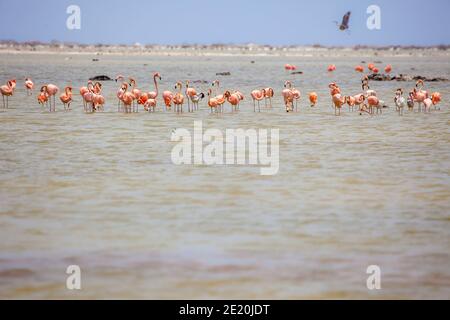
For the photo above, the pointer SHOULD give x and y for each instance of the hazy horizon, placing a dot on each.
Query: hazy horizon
(205, 22)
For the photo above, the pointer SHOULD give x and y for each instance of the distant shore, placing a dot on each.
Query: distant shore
(12, 47)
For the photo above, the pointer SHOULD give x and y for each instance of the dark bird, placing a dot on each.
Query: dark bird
(345, 20)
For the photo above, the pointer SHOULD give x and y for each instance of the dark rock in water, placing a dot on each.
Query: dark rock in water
(297, 72)
(363, 61)
(95, 59)
(223, 73)
(253, 61)
(403, 77)
(100, 78)
(200, 81)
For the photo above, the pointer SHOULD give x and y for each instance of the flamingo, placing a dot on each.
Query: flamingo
(66, 97)
(192, 96)
(258, 95)
(373, 103)
(400, 101)
(152, 94)
(435, 98)
(83, 91)
(51, 91)
(119, 92)
(29, 85)
(178, 98)
(168, 98)
(288, 96)
(388, 68)
(127, 98)
(98, 101)
(359, 69)
(338, 102)
(150, 105)
(42, 97)
(427, 104)
(88, 98)
(351, 101)
(7, 91)
(212, 102)
(410, 101)
(241, 97)
(136, 94)
(233, 99)
(269, 93)
(334, 89)
(220, 98)
(419, 94)
(359, 99)
(296, 95)
(313, 98)
(331, 68)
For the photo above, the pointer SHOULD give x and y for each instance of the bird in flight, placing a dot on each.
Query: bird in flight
(345, 20)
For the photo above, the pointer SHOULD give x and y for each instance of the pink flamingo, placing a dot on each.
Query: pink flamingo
(83, 91)
(419, 94)
(257, 95)
(66, 97)
(127, 98)
(233, 99)
(212, 102)
(42, 97)
(7, 91)
(288, 96)
(119, 92)
(168, 98)
(191, 94)
(178, 98)
(338, 101)
(435, 98)
(356, 100)
(136, 94)
(29, 85)
(51, 91)
(219, 97)
(269, 93)
(313, 98)
(373, 102)
(296, 95)
(98, 100)
(150, 105)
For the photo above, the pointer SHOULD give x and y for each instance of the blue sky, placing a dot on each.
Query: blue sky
(288, 22)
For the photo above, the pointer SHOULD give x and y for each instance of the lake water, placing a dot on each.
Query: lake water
(100, 190)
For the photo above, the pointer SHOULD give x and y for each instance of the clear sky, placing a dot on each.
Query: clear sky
(404, 22)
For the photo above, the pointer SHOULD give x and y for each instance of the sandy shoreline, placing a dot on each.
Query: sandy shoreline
(223, 50)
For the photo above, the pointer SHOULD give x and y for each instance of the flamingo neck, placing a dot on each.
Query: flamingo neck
(156, 84)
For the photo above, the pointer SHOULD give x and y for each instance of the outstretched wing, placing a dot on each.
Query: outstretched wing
(345, 20)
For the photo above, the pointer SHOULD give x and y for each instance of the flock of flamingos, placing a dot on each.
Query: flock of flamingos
(129, 97)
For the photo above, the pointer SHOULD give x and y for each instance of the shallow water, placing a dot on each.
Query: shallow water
(100, 190)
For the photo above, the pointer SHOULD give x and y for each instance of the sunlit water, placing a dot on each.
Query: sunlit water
(100, 190)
